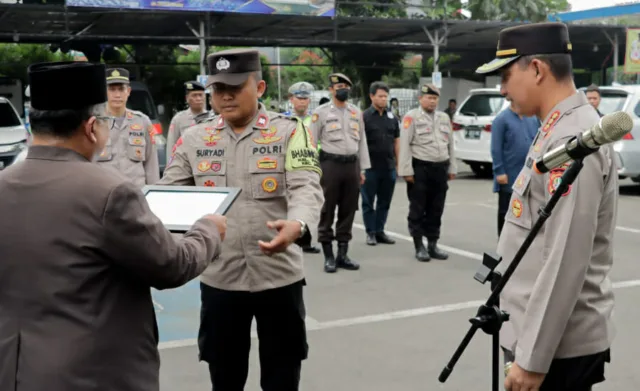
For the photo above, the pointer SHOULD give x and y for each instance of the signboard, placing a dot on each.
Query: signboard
(280, 7)
(632, 52)
(437, 79)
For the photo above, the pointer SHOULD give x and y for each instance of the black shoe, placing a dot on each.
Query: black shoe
(382, 237)
(310, 249)
(342, 260)
(421, 253)
(435, 252)
(371, 240)
(329, 259)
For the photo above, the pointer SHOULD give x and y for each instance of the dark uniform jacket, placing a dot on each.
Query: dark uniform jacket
(80, 251)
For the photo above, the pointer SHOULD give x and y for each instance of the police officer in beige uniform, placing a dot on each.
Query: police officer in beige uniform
(271, 157)
(427, 162)
(560, 297)
(131, 147)
(339, 128)
(195, 97)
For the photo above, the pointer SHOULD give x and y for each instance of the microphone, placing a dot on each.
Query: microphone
(611, 128)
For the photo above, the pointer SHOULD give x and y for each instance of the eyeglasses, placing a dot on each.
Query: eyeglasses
(111, 121)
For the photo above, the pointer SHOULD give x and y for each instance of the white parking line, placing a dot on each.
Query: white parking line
(633, 230)
(453, 250)
(313, 324)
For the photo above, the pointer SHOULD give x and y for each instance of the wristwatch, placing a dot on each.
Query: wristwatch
(303, 227)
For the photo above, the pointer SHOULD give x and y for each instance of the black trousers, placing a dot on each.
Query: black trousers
(341, 184)
(427, 195)
(504, 196)
(572, 374)
(224, 338)
(380, 184)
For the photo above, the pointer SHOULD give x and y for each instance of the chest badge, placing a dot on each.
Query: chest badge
(136, 127)
(129, 115)
(209, 183)
(211, 140)
(262, 121)
(137, 141)
(269, 184)
(268, 136)
(216, 166)
(267, 163)
(204, 166)
(516, 208)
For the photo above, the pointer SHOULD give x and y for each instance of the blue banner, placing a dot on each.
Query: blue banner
(282, 7)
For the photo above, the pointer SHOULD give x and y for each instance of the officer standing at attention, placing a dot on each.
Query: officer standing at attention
(560, 297)
(88, 238)
(271, 157)
(427, 162)
(131, 147)
(300, 97)
(195, 98)
(344, 157)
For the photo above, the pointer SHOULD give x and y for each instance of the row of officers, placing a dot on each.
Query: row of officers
(81, 248)
(96, 248)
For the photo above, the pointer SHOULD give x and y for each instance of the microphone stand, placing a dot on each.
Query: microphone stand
(489, 317)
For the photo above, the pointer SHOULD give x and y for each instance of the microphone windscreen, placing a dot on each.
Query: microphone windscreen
(613, 127)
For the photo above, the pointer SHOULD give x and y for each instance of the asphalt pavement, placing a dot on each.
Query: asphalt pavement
(394, 324)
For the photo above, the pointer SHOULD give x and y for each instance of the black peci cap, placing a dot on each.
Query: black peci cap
(526, 40)
(52, 85)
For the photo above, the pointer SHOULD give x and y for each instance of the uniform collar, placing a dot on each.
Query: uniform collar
(576, 100)
(372, 109)
(45, 152)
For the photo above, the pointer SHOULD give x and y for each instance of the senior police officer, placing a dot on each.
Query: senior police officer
(131, 147)
(560, 297)
(195, 97)
(427, 161)
(339, 128)
(88, 239)
(272, 159)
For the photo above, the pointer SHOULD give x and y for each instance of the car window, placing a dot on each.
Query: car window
(611, 102)
(482, 105)
(8, 116)
(140, 100)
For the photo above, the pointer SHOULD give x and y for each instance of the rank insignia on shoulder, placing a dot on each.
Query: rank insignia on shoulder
(555, 178)
(406, 122)
(269, 184)
(550, 122)
(267, 163)
(516, 208)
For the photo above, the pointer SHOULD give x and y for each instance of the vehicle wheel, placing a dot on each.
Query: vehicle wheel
(482, 170)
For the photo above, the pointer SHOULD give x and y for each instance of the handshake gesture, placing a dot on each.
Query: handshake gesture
(288, 232)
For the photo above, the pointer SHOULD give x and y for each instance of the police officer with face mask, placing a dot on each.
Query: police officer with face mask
(339, 128)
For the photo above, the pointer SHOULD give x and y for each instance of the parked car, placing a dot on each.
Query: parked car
(13, 133)
(624, 98)
(140, 99)
(472, 128)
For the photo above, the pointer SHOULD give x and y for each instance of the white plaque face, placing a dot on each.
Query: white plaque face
(183, 207)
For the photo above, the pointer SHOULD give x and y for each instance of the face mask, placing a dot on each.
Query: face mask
(342, 94)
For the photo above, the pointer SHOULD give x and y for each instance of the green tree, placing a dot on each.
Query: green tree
(16, 58)
(523, 10)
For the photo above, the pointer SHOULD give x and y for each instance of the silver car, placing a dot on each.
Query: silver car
(624, 98)
(13, 133)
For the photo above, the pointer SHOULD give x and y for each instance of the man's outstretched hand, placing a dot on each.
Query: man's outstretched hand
(288, 232)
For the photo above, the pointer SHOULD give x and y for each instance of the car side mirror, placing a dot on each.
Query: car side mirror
(160, 109)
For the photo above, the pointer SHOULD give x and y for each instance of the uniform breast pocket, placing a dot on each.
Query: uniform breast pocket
(354, 129)
(423, 131)
(210, 173)
(444, 132)
(333, 131)
(267, 176)
(107, 153)
(136, 149)
(519, 211)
